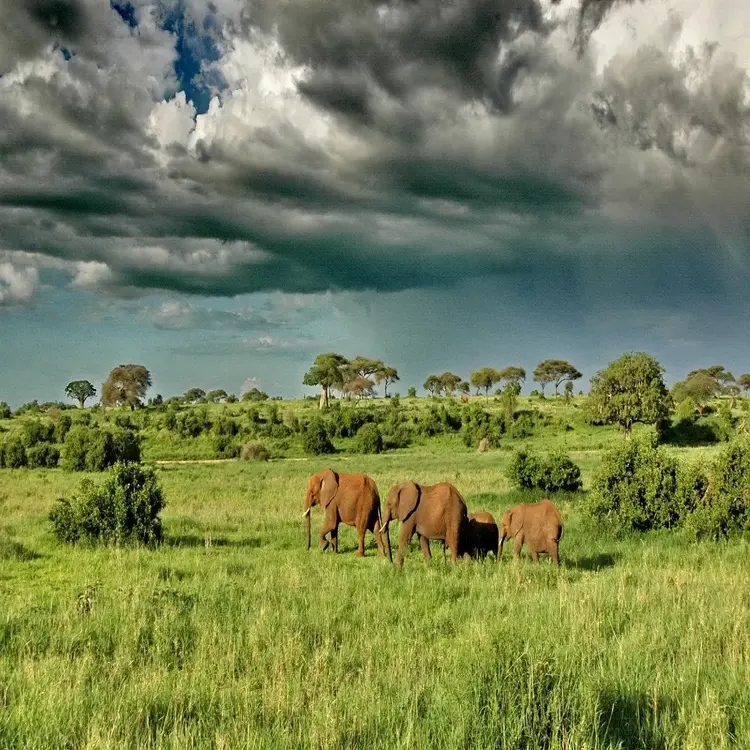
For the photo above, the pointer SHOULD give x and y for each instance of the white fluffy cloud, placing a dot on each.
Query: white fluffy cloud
(17, 284)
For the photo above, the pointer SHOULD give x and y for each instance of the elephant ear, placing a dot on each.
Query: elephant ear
(329, 486)
(408, 497)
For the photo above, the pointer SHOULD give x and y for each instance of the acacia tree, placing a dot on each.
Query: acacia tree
(555, 371)
(464, 387)
(698, 386)
(631, 389)
(372, 369)
(512, 374)
(193, 395)
(215, 396)
(359, 388)
(485, 378)
(449, 382)
(387, 376)
(80, 390)
(723, 380)
(126, 384)
(743, 381)
(328, 371)
(432, 385)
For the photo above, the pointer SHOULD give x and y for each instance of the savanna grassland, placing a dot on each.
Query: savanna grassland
(232, 634)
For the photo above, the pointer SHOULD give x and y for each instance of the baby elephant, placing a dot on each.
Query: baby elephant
(538, 525)
(483, 535)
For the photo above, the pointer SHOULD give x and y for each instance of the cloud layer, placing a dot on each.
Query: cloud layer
(360, 145)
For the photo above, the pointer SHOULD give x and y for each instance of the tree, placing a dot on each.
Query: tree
(328, 371)
(126, 384)
(485, 378)
(568, 390)
(699, 386)
(194, 395)
(411, 392)
(555, 371)
(359, 388)
(631, 389)
(464, 387)
(215, 396)
(433, 385)
(254, 394)
(512, 374)
(449, 382)
(744, 381)
(724, 381)
(388, 376)
(80, 390)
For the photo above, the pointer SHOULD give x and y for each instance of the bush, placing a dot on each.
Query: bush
(725, 508)
(225, 447)
(43, 456)
(225, 426)
(13, 455)
(124, 508)
(193, 422)
(640, 487)
(33, 433)
(315, 439)
(556, 473)
(5, 412)
(479, 424)
(62, 427)
(94, 449)
(369, 439)
(254, 451)
(411, 392)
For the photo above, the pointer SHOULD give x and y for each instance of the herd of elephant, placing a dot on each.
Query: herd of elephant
(432, 512)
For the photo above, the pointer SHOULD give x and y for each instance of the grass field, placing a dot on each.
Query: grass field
(231, 634)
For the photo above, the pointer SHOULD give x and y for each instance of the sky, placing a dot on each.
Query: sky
(222, 190)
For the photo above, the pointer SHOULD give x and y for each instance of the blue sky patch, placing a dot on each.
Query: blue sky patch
(126, 11)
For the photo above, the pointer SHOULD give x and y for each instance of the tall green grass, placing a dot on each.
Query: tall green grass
(233, 635)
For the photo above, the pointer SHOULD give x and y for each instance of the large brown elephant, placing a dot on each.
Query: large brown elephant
(483, 534)
(538, 525)
(432, 512)
(352, 499)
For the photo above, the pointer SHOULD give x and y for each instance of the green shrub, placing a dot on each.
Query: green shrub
(231, 399)
(95, 449)
(369, 439)
(5, 412)
(411, 392)
(725, 508)
(225, 426)
(555, 473)
(33, 433)
(226, 447)
(640, 487)
(62, 427)
(193, 422)
(43, 456)
(315, 439)
(479, 424)
(124, 508)
(254, 451)
(13, 454)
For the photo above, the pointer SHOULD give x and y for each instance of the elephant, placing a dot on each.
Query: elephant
(432, 512)
(483, 534)
(352, 499)
(537, 525)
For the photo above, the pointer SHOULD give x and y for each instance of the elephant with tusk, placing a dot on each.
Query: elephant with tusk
(352, 499)
(432, 512)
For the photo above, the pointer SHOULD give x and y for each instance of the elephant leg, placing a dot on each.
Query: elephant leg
(553, 552)
(452, 542)
(424, 543)
(335, 538)
(361, 540)
(517, 544)
(534, 555)
(376, 530)
(404, 537)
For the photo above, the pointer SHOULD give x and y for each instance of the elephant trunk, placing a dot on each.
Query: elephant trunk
(500, 546)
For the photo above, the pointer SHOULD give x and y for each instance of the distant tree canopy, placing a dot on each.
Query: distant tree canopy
(359, 387)
(631, 389)
(371, 369)
(388, 376)
(555, 371)
(126, 384)
(512, 374)
(254, 394)
(432, 385)
(449, 382)
(329, 371)
(484, 379)
(214, 397)
(743, 381)
(194, 395)
(80, 390)
(699, 387)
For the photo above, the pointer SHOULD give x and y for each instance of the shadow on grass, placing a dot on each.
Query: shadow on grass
(193, 540)
(10, 549)
(631, 722)
(594, 562)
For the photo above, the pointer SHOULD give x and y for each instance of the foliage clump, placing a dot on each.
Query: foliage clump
(95, 449)
(555, 473)
(641, 487)
(254, 451)
(369, 439)
(12, 454)
(315, 440)
(43, 456)
(124, 508)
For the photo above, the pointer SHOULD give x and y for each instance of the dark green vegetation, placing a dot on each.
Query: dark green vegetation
(230, 634)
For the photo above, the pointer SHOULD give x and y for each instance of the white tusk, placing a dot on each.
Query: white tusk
(307, 512)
